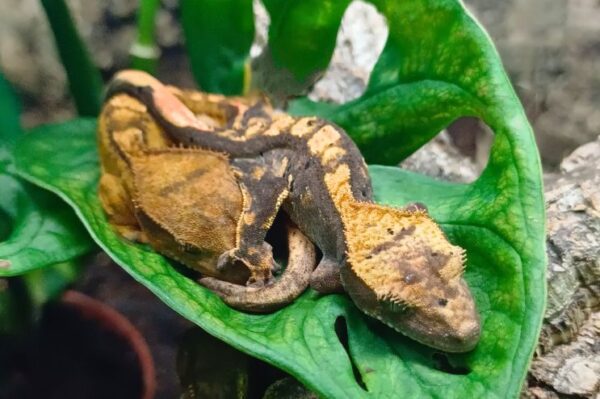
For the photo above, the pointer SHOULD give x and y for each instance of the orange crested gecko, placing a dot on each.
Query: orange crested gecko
(201, 178)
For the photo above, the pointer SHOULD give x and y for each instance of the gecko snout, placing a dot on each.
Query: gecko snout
(452, 325)
(464, 337)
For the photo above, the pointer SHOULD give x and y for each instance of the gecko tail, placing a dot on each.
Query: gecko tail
(294, 280)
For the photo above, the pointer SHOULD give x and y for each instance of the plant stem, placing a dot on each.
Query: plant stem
(144, 51)
(85, 82)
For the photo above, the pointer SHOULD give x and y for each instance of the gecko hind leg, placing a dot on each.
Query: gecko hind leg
(326, 279)
(293, 281)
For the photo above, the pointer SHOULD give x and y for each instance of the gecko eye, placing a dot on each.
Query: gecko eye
(442, 301)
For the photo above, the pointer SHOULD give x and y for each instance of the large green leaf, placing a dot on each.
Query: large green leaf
(501, 232)
(36, 228)
(218, 36)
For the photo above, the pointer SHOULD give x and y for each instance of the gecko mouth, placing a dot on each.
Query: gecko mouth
(452, 340)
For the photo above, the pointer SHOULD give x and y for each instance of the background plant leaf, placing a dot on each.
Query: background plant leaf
(36, 228)
(85, 82)
(209, 368)
(302, 37)
(302, 34)
(218, 35)
(10, 126)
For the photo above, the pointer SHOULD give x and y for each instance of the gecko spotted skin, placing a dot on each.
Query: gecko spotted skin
(395, 264)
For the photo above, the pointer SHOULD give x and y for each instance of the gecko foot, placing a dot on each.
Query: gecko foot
(277, 293)
(260, 263)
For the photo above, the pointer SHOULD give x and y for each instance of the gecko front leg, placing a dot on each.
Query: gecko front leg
(288, 287)
(264, 185)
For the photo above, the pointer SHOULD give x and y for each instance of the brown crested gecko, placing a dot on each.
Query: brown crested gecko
(395, 264)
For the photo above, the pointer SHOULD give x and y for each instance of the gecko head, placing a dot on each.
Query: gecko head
(403, 271)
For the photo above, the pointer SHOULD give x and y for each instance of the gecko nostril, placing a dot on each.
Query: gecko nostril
(442, 301)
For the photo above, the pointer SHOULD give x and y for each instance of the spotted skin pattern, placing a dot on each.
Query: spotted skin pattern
(395, 264)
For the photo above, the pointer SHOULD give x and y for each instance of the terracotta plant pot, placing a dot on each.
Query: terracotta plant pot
(80, 347)
(114, 321)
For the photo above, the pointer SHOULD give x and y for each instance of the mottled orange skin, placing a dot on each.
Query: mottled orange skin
(396, 264)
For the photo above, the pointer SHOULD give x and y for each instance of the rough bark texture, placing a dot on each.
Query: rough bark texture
(551, 50)
(568, 358)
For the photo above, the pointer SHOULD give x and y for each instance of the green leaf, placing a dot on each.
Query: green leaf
(43, 230)
(36, 228)
(501, 230)
(302, 34)
(85, 82)
(391, 125)
(10, 127)
(218, 35)
(50, 282)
